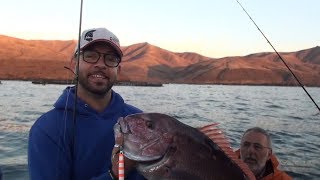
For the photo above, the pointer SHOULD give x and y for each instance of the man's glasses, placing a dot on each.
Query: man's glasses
(92, 57)
(256, 146)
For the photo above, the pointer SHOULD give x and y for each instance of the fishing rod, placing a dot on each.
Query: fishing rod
(72, 149)
(296, 78)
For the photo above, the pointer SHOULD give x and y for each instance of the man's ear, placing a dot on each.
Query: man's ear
(73, 63)
(119, 70)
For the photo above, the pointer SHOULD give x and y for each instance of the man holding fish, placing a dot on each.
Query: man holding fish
(75, 139)
(159, 146)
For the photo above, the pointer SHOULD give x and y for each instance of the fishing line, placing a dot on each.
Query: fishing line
(301, 85)
(70, 70)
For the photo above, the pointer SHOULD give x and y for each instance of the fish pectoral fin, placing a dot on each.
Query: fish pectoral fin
(218, 137)
(215, 134)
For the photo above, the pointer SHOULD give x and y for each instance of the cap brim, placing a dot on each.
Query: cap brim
(117, 48)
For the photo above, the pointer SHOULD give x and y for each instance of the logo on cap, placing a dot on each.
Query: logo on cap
(89, 35)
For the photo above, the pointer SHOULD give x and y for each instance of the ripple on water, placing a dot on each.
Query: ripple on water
(13, 127)
(33, 113)
(15, 171)
(294, 117)
(274, 106)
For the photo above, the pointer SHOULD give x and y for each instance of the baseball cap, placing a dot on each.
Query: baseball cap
(94, 35)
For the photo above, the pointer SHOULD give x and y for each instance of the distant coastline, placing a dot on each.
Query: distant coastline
(145, 64)
(120, 83)
(154, 84)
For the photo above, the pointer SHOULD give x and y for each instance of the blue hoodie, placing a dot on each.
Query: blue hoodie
(51, 146)
(0, 173)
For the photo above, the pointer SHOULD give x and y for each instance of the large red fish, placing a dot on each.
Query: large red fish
(165, 148)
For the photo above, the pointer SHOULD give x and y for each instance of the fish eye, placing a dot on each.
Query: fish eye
(149, 124)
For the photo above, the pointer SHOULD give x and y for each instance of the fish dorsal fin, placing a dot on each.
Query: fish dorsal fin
(218, 137)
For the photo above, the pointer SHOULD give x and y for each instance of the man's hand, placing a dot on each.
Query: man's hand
(128, 164)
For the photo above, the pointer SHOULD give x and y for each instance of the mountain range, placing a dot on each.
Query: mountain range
(45, 60)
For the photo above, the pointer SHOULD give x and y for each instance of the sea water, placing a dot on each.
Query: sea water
(286, 112)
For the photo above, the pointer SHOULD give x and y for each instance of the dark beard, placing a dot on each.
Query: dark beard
(99, 92)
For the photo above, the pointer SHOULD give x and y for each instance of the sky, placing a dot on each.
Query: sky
(213, 28)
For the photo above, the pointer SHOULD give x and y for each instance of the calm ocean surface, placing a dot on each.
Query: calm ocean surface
(286, 112)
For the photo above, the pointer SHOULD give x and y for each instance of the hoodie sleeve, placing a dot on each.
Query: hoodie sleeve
(46, 157)
(49, 154)
(47, 160)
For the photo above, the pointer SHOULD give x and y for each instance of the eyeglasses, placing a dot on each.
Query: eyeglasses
(92, 57)
(256, 146)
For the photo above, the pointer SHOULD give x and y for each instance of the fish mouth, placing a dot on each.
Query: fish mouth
(145, 151)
